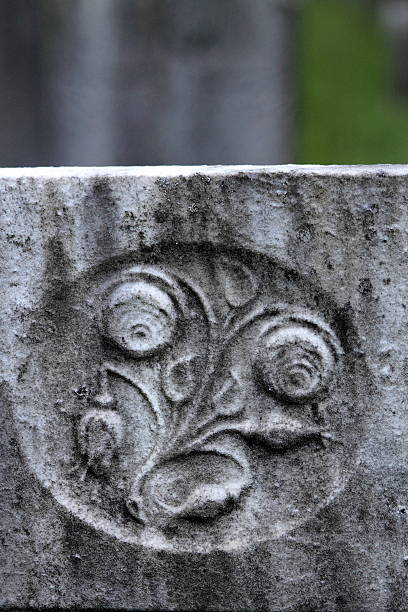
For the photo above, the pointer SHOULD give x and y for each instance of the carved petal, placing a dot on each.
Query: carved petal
(179, 379)
(239, 283)
(227, 401)
(100, 435)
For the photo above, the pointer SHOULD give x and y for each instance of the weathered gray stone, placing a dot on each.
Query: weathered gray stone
(203, 388)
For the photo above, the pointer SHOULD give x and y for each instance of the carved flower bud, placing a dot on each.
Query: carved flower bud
(100, 436)
(296, 362)
(140, 318)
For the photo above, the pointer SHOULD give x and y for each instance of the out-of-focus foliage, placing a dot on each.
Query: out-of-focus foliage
(348, 113)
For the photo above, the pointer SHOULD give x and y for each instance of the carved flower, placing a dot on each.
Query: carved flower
(140, 318)
(200, 464)
(296, 361)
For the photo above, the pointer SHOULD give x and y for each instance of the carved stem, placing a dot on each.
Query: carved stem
(126, 374)
(281, 433)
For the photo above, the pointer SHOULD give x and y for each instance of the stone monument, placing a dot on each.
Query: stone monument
(203, 388)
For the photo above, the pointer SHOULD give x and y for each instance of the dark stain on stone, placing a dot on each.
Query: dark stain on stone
(99, 218)
(197, 218)
(57, 276)
(368, 223)
(55, 312)
(344, 327)
(290, 275)
(302, 222)
(159, 216)
(365, 287)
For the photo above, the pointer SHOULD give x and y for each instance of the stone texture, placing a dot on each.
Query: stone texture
(203, 388)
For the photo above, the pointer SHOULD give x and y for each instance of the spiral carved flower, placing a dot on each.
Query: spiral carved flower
(140, 318)
(296, 359)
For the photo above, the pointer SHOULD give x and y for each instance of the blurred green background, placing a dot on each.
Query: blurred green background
(347, 111)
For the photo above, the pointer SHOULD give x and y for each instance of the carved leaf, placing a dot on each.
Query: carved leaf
(227, 401)
(281, 432)
(179, 378)
(100, 436)
(240, 285)
(202, 484)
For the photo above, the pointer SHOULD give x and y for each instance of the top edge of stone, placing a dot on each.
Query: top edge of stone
(52, 172)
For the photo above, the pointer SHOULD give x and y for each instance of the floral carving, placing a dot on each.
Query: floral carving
(177, 355)
(140, 318)
(297, 356)
(227, 401)
(240, 285)
(179, 379)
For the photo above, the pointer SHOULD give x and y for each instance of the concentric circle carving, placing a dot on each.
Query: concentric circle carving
(297, 357)
(139, 317)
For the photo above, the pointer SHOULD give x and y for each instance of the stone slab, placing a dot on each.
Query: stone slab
(203, 388)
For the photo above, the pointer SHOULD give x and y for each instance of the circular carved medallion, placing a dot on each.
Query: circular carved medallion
(194, 400)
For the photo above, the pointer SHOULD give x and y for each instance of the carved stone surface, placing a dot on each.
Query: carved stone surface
(203, 377)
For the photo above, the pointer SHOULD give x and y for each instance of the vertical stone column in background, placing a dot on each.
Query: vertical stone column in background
(148, 81)
(22, 134)
(394, 15)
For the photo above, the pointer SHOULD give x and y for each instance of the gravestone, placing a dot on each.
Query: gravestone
(203, 388)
